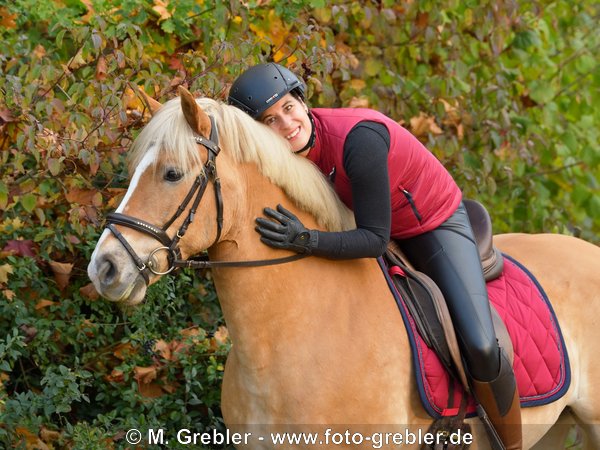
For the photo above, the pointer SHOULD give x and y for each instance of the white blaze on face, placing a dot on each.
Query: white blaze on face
(146, 162)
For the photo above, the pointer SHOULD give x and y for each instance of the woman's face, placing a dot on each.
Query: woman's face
(289, 118)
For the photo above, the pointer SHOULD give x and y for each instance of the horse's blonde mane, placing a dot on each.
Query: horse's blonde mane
(246, 140)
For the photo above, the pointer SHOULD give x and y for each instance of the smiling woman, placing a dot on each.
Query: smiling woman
(397, 190)
(307, 335)
(290, 119)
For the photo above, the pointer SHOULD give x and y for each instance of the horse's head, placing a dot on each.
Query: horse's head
(176, 205)
(173, 176)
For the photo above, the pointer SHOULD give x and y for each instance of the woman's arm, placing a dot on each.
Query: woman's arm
(365, 161)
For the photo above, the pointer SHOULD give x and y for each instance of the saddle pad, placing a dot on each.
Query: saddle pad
(541, 362)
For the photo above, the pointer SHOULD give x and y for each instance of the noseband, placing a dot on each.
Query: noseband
(171, 245)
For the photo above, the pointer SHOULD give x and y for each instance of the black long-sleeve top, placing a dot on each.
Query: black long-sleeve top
(365, 162)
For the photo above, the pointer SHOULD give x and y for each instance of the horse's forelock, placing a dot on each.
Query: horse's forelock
(169, 132)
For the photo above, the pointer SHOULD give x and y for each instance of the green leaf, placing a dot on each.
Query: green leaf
(586, 63)
(28, 201)
(59, 37)
(373, 67)
(168, 26)
(317, 3)
(542, 91)
(525, 39)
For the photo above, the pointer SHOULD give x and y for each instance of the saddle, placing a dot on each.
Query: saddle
(539, 356)
(427, 305)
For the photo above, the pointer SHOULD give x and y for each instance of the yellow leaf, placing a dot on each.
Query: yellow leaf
(90, 11)
(44, 303)
(359, 102)
(259, 32)
(278, 56)
(39, 51)
(277, 31)
(373, 67)
(75, 62)
(12, 224)
(423, 124)
(5, 270)
(357, 85)
(161, 8)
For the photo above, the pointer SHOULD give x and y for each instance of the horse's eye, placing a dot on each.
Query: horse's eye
(173, 175)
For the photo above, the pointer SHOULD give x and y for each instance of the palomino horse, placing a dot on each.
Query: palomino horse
(316, 343)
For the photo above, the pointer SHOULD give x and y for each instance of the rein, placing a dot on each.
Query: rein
(171, 245)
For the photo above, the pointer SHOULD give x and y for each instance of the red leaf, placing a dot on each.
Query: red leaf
(101, 68)
(20, 248)
(6, 116)
(84, 197)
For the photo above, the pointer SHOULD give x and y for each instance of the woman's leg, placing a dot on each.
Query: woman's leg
(449, 256)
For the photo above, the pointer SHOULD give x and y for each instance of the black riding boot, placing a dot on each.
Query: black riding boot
(499, 398)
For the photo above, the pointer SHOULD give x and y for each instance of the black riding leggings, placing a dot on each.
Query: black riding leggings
(449, 256)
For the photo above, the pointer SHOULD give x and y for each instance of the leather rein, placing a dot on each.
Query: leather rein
(171, 245)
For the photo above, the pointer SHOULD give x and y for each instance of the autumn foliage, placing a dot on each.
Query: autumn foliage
(502, 92)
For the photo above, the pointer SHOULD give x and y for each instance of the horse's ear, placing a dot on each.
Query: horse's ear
(194, 115)
(153, 105)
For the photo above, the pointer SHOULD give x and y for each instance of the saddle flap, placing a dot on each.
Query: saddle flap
(429, 311)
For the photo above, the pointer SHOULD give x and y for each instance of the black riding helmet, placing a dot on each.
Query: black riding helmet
(262, 86)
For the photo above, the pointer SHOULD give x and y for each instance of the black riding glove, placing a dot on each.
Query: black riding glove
(287, 232)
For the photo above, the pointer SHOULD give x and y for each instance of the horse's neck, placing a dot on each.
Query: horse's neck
(258, 303)
(246, 292)
(310, 303)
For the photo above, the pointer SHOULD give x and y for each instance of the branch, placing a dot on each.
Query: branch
(547, 172)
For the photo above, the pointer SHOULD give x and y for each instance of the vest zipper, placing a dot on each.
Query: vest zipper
(411, 201)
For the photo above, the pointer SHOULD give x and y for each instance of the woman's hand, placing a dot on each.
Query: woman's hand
(285, 231)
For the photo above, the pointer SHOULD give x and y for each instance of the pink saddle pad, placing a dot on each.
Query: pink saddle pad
(541, 362)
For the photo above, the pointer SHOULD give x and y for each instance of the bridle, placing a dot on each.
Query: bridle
(171, 245)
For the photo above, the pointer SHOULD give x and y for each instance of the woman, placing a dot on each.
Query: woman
(396, 188)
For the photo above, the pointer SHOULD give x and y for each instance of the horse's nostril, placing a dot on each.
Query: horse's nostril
(107, 272)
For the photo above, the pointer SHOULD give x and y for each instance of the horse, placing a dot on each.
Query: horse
(317, 344)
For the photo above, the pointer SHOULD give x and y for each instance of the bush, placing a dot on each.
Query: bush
(502, 94)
